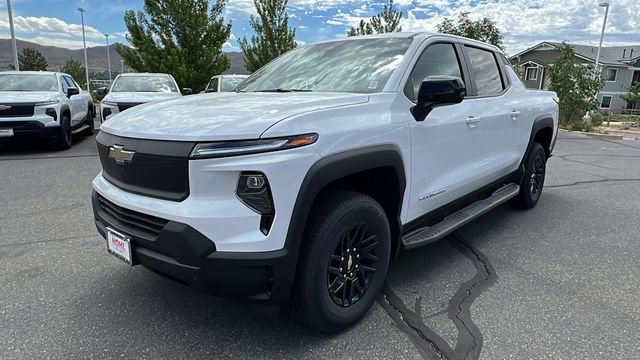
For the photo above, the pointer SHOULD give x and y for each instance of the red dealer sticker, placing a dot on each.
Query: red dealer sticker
(119, 245)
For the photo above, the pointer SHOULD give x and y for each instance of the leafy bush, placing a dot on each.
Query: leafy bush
(597, 119)
(580, 125)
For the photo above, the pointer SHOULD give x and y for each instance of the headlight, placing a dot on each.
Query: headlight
(109, 103)
(46, 103)
(246, 147)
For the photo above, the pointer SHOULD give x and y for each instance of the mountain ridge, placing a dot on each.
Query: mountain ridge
(97, 57)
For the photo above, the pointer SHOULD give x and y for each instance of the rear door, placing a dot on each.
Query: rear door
(498, 114)
(448, 148)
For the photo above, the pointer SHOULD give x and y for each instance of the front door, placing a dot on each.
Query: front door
(449, 148)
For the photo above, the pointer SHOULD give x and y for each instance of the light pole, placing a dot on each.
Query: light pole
(84, 45)
(121, 66)
(605, 5)
(14, 47)
(106, 36)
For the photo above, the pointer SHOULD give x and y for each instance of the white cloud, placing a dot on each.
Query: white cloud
(522, 22)
(49, 25)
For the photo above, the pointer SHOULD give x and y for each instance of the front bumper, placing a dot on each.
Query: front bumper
(180, 252)
(28, 129)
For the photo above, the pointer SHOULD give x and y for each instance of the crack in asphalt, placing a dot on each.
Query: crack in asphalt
(589, 182)
(47, 240)
(621, 144)
(565, 158)
(469, 342)
(48, 157)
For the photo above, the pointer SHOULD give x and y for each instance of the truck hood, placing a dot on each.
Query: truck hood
(220, 116)
(16, 97)
(139, 97)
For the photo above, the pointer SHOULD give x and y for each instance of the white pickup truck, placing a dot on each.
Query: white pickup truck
(43, 105)
(224, 83)
(132, 89)
(302, 185)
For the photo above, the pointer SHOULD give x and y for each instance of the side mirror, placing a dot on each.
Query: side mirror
(72, 91)
(438, 91)
(187, 91)
(103, 91)
(209, 91)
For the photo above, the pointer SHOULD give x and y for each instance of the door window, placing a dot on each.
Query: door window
(436, 60)
(65, 86)
(213, 85)
(485, 71)
(70, 82)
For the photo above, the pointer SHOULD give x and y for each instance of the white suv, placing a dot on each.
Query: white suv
(326, 163)
(43, 105)
(132, 89)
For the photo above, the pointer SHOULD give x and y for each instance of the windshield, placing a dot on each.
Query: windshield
(144, 84)
(229, 84)
(28, 82)
(360, 66)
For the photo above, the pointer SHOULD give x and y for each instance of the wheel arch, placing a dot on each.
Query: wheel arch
(542, 133)
(64, 109)
(349, 170)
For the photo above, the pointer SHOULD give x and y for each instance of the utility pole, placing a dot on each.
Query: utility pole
(14, 47)
(605, 5)
(84, 44)
(108, 58)
(121, 66)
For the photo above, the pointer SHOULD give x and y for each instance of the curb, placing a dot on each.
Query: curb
(595, 135)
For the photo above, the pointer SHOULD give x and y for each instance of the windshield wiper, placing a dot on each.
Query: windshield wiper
(283, 90)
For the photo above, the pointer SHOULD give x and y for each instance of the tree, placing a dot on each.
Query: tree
(179, 37)
(576, 85)
(32, 60)
(272, 35)
(484, 30)
(633, 96)
(386, 21)
(76, 70)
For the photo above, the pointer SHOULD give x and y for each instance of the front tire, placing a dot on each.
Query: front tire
(533, 182)
(343, 261)
(64, 138)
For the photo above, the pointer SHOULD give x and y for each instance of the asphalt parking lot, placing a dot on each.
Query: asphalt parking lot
(560, 281)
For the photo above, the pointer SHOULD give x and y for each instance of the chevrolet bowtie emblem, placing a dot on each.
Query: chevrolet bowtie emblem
(5, 107)
(120, 155)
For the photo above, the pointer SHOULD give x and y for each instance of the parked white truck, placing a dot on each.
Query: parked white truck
(224, 83)
(132, 89)
(43, 105)
(302, 185)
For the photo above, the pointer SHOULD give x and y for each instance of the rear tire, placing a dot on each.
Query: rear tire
(343, 261)
(533, 181)
(64, 138)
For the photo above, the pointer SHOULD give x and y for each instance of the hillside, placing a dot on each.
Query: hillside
(97, 56)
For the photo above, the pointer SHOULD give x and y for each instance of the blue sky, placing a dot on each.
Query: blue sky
(523, 22)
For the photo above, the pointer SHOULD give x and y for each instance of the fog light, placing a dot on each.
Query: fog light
(255, 181)
(52, 112)
(253, 190)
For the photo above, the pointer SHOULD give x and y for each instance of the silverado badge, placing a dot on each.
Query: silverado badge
(5, 107)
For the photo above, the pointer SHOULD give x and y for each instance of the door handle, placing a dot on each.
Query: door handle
(472, 121)
(515, 114)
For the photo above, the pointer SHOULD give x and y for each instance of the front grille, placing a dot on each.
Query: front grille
(158, 169)
(131, 222)
(125, 106)
(16, 110)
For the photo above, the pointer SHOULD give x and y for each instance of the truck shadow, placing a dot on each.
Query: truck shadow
(158, 313)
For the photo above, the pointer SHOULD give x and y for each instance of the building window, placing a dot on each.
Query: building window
(611, 74)
(532, 74)
(606, 102)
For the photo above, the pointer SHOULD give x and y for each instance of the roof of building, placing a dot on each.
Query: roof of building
(609, 55)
